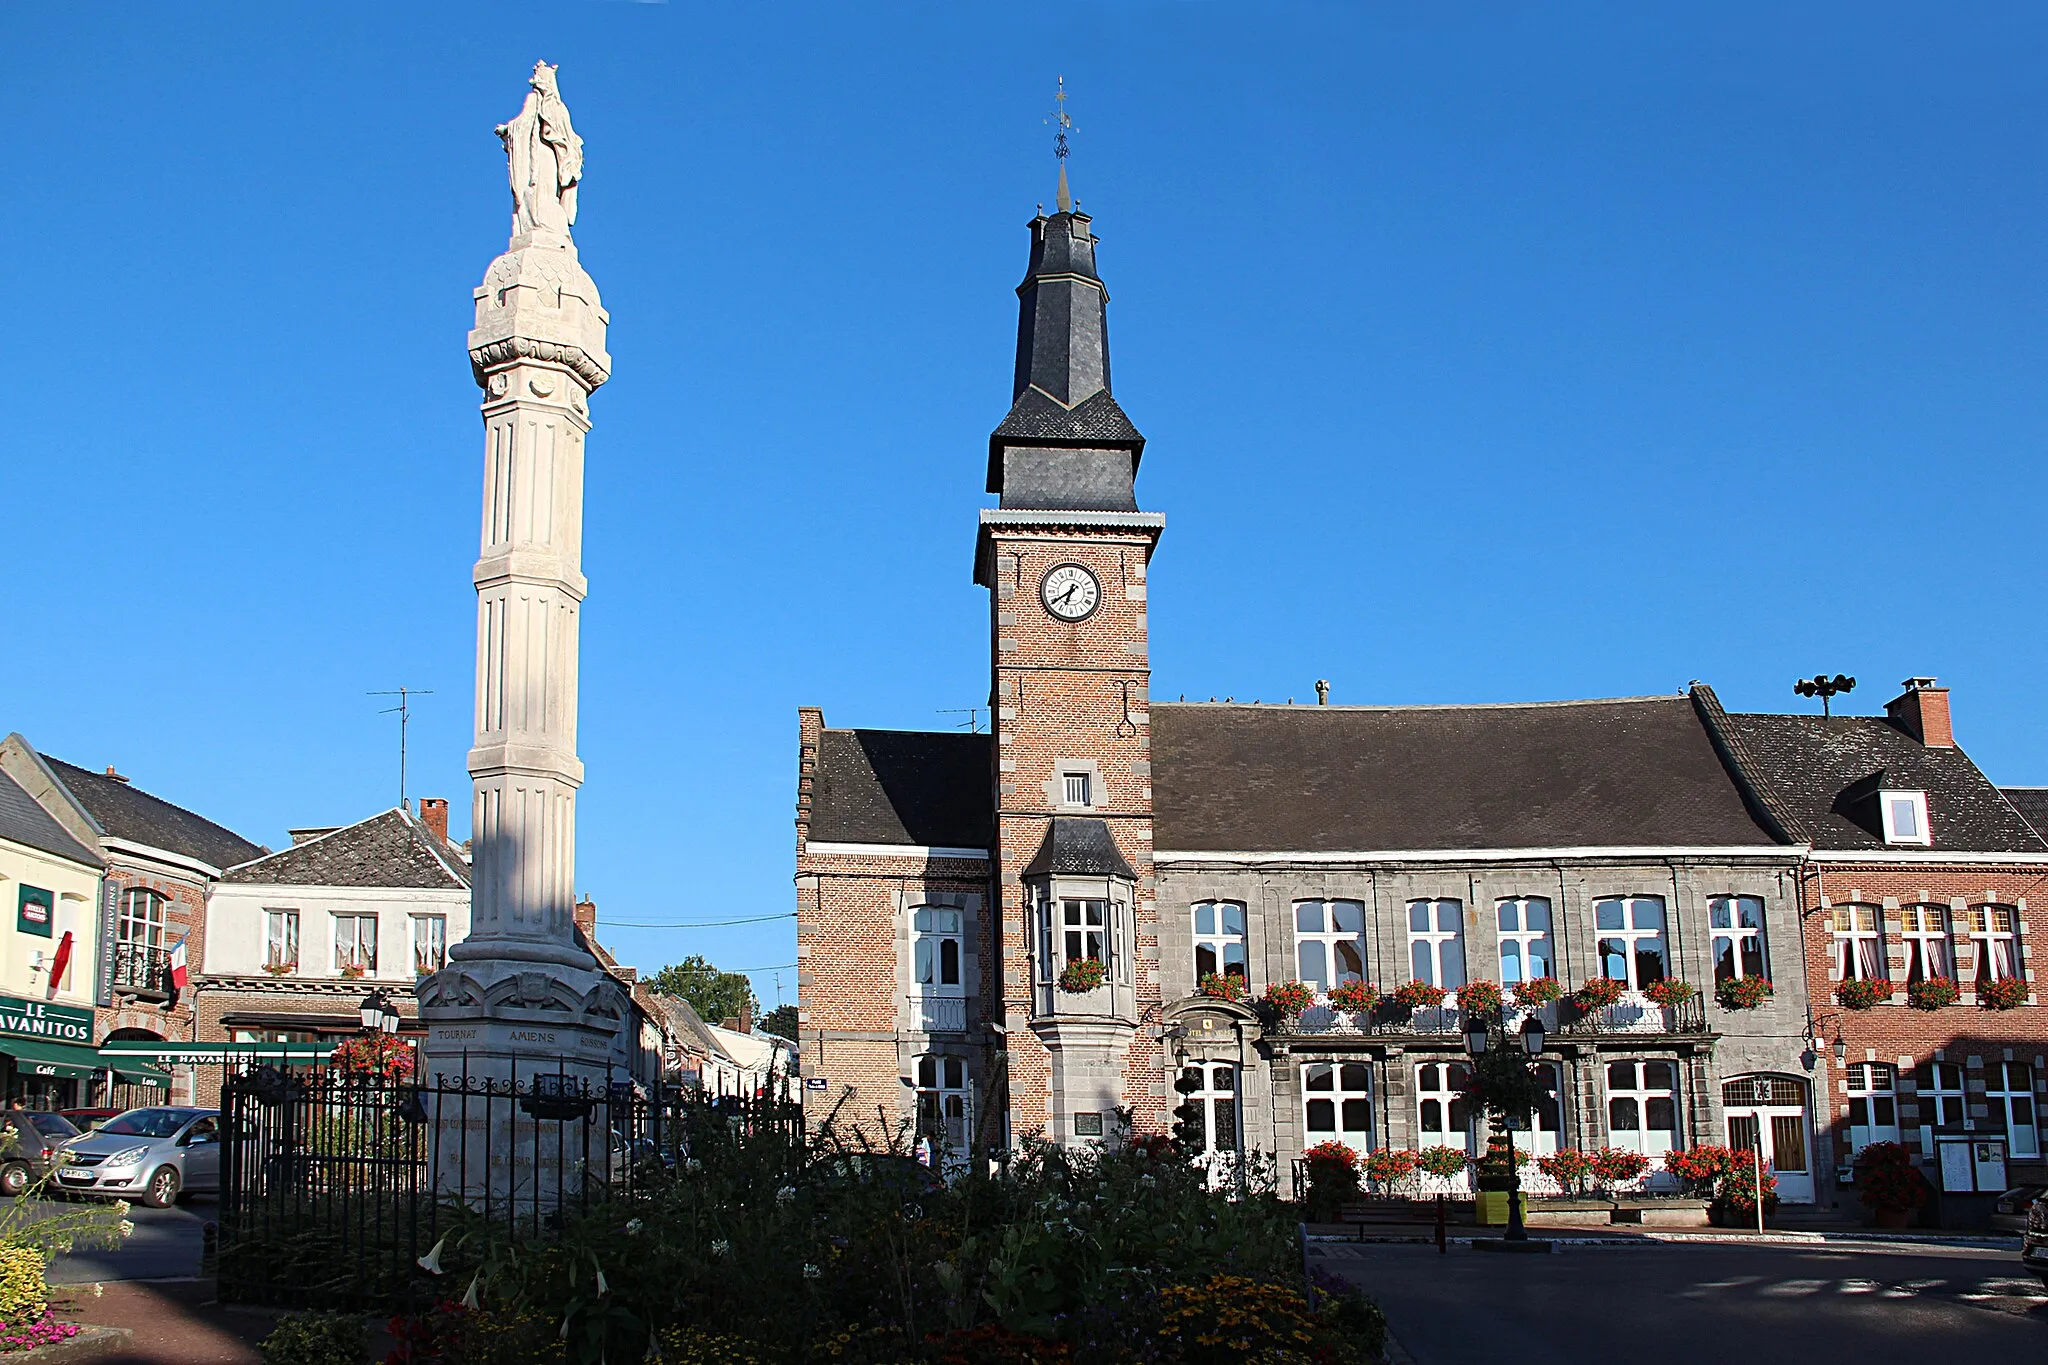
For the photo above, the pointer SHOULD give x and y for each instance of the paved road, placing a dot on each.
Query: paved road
(1703, 1305)
(165, 1245)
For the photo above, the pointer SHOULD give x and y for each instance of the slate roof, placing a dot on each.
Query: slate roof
(1079, 846)
(387, 850)
(1038, 419)
(1629, 773)
(903, 787)
(2031, 803)
(25, 822)
(125, 811)
(1824, 773)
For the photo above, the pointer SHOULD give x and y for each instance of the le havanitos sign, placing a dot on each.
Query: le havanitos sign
(39, 1019)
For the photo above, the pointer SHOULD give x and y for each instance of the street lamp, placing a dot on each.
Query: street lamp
(378, 1014)
(1478, 1038)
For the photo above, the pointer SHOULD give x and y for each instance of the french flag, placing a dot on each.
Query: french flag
(179, 975)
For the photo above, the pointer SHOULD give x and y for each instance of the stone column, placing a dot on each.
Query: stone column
(520, 996)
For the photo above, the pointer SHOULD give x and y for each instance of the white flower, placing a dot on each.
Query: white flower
(469, 1298)
(602, 1287)
(1147, 1181)
(431, 1262)
(691, 1165)
(721, 1247)
(99, 1291)
(633, 1226)
(811, 1272)
(127, 1228)
(786, 1195)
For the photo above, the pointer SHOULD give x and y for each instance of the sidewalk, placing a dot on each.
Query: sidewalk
(175, 1322)
(1611, 1234)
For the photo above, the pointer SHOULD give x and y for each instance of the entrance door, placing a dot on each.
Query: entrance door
(1212, 1090)
(1769, 1113)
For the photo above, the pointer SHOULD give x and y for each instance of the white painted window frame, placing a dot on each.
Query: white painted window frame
(1330, 939)
(1920, 939)
(1871, 1084)
(1991, 965)
(1737, 935)
(1522, 938)
(1852, 963)
(1337, 1095)
(1888, 803)
(1426, 956)
(286, 919)
(1641, 1092)
(1218, 940)
(2011, 1084)
(1630, 935)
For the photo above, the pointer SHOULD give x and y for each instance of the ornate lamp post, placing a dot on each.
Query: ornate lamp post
(1507, 1082)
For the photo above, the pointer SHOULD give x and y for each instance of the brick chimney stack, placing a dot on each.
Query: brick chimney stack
(1922, 712)
(434, 815)
(586, 917)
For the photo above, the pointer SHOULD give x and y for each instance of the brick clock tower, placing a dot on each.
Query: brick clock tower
(1064, 557)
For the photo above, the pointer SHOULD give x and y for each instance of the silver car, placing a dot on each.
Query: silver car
(150, 1155)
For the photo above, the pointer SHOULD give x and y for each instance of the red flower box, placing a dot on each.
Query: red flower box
(1599, 992)
(1479, 997)
(1356, 996)
(1537, 991)
(1081, 976)
(1670, 992)
(1224, 987)
(1862, 994)
(1742, 992)
(1289, 997)
(1419, 995)
(2006, 993)
(1932, 993)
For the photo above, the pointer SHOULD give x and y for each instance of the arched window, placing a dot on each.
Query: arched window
(1219, 939)
(1929, 955)
(1737, 925)
(1436, 942)
(1525, 951)
(1859, 944)
(1337, 1104)
(1993, 933)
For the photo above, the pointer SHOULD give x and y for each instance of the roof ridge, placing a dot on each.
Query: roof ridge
(1421, 706)
(146, 792)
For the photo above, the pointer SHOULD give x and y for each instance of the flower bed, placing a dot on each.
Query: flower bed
(1742, 992)
(1228, 987)
(1082, 975)
(1569, 1168)
(1932, 993)
(1479, 997)
(2006, 993)
(1862, 993)
(1537, 991)
(1355, 996)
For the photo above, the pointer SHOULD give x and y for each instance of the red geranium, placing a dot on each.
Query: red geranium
(1419, 995)
(1537, 991)
(1289, 997)
(1599, 992)
(1356, 996)
(1569, 1168)
(1615, 1166)
(1226, 987)
(1889, 1179)
(1932, 993)
(1389, 1166)
(2006, 993)
(1479, 997)
(1331, 1153)
(1862, 993)
(1082, 975)
(1670, 992)
(1742, 992)
(373, 1056)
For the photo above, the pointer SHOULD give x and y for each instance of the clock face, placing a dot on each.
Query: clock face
(1071, 593)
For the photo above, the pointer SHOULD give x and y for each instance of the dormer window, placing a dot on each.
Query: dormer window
(1905, 817)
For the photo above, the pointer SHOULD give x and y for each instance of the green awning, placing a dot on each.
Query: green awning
(135, 1073)
(35, 1057)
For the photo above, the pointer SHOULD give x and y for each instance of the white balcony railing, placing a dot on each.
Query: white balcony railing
(938, 1013)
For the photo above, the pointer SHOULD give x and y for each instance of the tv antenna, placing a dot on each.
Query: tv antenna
(1822, 686)
(973, 722)
(404, 711)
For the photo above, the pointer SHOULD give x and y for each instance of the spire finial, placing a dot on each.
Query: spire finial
(1061, 126)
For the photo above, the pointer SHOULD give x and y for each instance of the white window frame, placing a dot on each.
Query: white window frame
(1726, 929)
(934, 928)
(1329, 942)
(345, 950)
(1991, 964)
(1437, 954)
(1219, 1097)
(1546, 1121)
(1075, 930)
(288, 922)
(1632, 936)
(1519, 942)
(1442, 1085)
(424, 927)
(2009, 1092)
(1924, 928)
(1341, 1089)
(1874, 1087)
(1077, 789)
(142, 909)
(945, 1082)
(1639, 1093)
(1943, 1108)
(1913, 805)
(1859, 949)
(1219, 940)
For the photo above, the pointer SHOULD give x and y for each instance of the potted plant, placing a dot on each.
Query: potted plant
(280, 968)
(1734, 1203)
(1419, 995)
(353, 970)
(1289, 998)
(1932, 993)
(1891, 1186)
(1479, 997)
(1598, 993)
(1444, 1164)
(1569, 1168)
(1862, 993)
(1332, 1170)
(1537, 992)
(1742, 992)
(1613, 1167)
(1701, 1166)
(1389, 1166)
(1355, 996)
(2006, 993)
(1226, 987)
(1081, 975)
(1670, 992)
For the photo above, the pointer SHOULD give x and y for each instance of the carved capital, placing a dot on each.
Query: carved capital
(494, 355)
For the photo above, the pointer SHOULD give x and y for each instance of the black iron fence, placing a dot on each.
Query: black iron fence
(334, 1187)
(141, 967)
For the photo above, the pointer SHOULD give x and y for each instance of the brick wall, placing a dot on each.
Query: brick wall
(184, 914)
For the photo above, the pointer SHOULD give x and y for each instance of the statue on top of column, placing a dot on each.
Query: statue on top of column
(545, 159)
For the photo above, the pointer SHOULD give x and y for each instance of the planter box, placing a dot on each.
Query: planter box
(1655, 1213)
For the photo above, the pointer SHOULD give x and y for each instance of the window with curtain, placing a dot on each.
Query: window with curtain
(1631, 941)
(1219, 939)
(1993, 935)
(935, 949)
(1736, 924)
(280, 940)
(1329, 943)
(429, 944)
(355, 943)
(1436, 942)
(1859, 943)
(1929, 956)
(1525, 949)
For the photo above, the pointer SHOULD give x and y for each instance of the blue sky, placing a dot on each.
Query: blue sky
(1486, 352)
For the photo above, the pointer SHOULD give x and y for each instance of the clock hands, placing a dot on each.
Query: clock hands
(1072, 588)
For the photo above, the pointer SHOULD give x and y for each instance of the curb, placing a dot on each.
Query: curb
(1669, 1238)
(90, 1342)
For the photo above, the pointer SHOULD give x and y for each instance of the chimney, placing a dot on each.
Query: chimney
(586, 917)
(116, 776)
(434, 815)
(743, 1022)
(1922, 712)
(1322, 692)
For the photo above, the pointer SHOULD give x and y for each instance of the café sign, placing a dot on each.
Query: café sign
(40, 1019)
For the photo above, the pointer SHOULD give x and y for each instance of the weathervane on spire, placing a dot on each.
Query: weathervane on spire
(1061, 126)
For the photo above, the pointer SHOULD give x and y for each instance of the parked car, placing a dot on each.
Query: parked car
(153, 1155)
(2034, 1245)
(30, 1140)
(2009, 1210)
(89, 1119)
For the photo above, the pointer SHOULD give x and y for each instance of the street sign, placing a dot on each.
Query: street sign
(815, 1083)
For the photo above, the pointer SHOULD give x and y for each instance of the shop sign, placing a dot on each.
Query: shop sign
(213, 1054)
(40, 1019)
(103, 974)
(37, 911)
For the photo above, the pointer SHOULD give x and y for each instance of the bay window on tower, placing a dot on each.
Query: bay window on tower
(1081, 889)
(141, 957)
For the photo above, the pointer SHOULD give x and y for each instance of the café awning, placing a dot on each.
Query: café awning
(133, 1072)
(37, 1057)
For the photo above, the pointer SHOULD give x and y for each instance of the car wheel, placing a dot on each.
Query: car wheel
(14, 1179)
(162, 1191)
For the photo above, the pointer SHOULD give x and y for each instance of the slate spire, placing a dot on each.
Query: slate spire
(1065, 444)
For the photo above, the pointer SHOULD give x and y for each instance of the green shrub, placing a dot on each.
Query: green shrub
(315, 1339)
(23, 1297)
